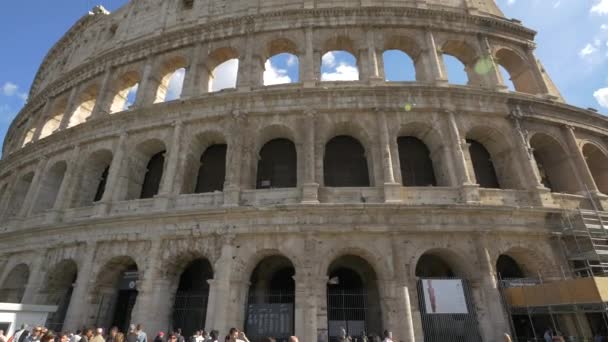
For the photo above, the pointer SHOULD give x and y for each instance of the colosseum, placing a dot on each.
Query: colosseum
(438, 211)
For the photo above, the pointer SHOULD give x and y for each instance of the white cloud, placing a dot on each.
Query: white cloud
(601, 7)
(224, 75)
(510, 2)
(11, 89)
(292, 60)
(175, 85)
(343, 72)
(329, 60)
(587, 50)
(274, 75)
(601, 96)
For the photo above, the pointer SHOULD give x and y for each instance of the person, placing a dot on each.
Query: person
(47, 337)
(178, 335)
(237, 336)
(20, 333)
(548, 336)
(35, 335)
(141, 334)
(2, 336)
(214, 335)
(205, 336)
(132, 334)
(293, 339)
(120, 337)
(97, 336)
(76, 337)
(112, 335)
(507, 338)
(160, 337)
(388, 336)
(63, 338)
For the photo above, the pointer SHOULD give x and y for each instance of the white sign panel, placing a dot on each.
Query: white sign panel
(444, 296)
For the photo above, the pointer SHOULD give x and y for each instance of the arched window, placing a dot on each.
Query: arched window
(485, 173)
(49, 187)
(598, 165)
(58, 290)
(281, 68)
(520, 75)
(29, 136)
(459, 63)
(212, 171)
(508, 82)
(339, 66)
(508, 268)
(224, 66)
(13, 288)
(456, 70)
(54, 121)
(398, 66)
(154, 174)
(171, 81)
(93, 178)
(416, 165)
(87, 99)
(277, 166)
(18, 197)
(553, 164)
(125, 92)
(345, 163)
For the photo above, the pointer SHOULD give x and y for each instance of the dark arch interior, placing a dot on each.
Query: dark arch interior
(271, 292)
(345, 163)
(60, 285)
(485, 173)
(277, 166)
(212, 172)
(14, 285)
(115, 293)
(154, 173)
(432, 266)
(598, 165)
(507, 267)
(353, 300)
(416, 164)
(190, 307)
(101, 187)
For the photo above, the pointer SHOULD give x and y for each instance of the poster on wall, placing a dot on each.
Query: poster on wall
(444, 296)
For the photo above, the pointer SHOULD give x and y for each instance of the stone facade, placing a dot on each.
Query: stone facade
(70, 130)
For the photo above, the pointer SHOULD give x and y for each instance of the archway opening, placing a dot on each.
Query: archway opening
(520, 76)
(506, 78)
(87, 99)
(456, 70)
(55, 117)
(483, 166)
(172, 90)
(115, 293)
(508, 268)
(345, 163)
(398, 66)
(598, 165)
(271, 294)
(93, 178)
(339, 65)
(13, 288)
(445, 300)
(416, 164)
(277, 165)
(126, 88)
(212, 170)
(191, 298)
(58, 290)
(353, 300)
(282, 68)
(154, 174)
(553, 164)
(224, 66)
(18, 197)
(49, 187)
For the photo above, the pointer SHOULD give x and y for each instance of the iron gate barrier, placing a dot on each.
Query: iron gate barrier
(190, 311)
(447, 311)
(346, 310)
(270, 314)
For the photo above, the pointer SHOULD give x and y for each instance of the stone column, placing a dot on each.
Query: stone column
(310, 187)
(493, 78)
(219, 288)
(433, 63)
(43, 115)
(469, 188)
(319, 291)
(111, 192)
(148, 86)
(234, 156)
(579, 163)
(308, 74)
(32, 192)
(192, 86)
(373, 60)
(150, 309)
(538, 76)
(67, 186)
(77, 310)
(305, 313)
(35, 281)
(70, 108)
(492, 318)
(8, 193)
(251, 71)
(392, 189)
(168, 186)
(104, 98)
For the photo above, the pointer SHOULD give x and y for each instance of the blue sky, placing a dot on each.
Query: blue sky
(572, 44)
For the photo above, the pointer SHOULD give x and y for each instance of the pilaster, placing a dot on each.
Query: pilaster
(111, 192)
(103, 103)
(77, 310)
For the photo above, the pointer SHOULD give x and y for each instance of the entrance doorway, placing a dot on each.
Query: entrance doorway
(190, 307)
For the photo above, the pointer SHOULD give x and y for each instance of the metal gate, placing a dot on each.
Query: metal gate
(190, 311)
(447, 311)
(270, 315)
(346, 310)
(62, 300)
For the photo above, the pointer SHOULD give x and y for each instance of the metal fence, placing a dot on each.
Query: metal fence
(447, 312)
(270, 314)
(346, 310)
(190, 311)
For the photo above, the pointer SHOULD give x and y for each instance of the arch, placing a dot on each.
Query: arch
(191, 297)
(14, 284)
(223, 61)
(404, 52)
(597, 161)
(125, 91)
(352, 281)
(398, 66)
(49, 187)
(58, 288)
(416, 164)
(465, 54)
(277, 165)
(115, 292)
(483, 165)
(441, 263)
(87, 101)
(508, 268)
(93, 178)
(520, 72)
(29, 136)
(205, 169)
(345, 163)
(147, 169)
(282, 64)
(553, 163)
(272, 284)
(172, 74)
(55, 117)
(18, 196)
(339, 65)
